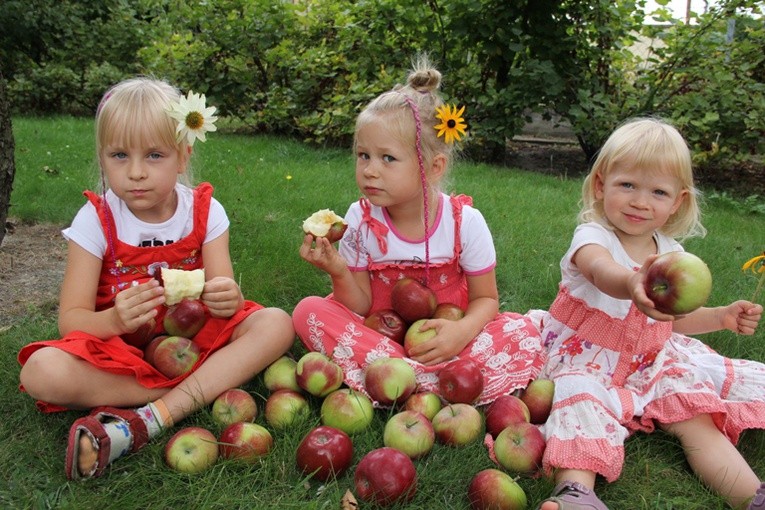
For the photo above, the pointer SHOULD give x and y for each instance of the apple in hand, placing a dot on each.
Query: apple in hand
(141, 336)
(317, 374)
(389, 380)
(505, 410)
(409, 432)
(175, 356)
(191, 450)
(519, 447)
(538, 397)
(460, 381)
(347, 410)
(280, 375)
(412, 300)
(325, 223)
(324, 452)
(388, 323)
(285, 407)
(448, 311)
(492, 489)
(185, 318)
(425, 402)
(385, 476)
(457, 425)
(678, 283)
(232, 406)
(416, 337)
(245, 441)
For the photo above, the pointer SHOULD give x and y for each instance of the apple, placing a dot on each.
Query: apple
(175, 356)
(389, 380)
(457, 424)
(410, 432)
(285, 407)
(280, 375)
(412, 300)
(385, 476)
(232, 406)
(519, 447)
(180, 284)
(460, 381)
(388, 323)
(538, 397)
(317, 374)
(324, 452)
(448, 311)
(348, 410)
(504, 411)
(492, 489)
(325, 223)
(151, 347)
(185, 318)
(415, 337)
(191, 450)
(245, 441)
(141, 336)
(425, 402)
(678, 283)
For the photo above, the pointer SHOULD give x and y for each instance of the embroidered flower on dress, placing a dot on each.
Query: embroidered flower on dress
(194, 118)
(452, 124)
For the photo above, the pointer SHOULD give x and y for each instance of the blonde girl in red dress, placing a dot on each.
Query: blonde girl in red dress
(405, 226)
(145, 219)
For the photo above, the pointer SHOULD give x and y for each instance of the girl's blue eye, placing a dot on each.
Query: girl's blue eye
(363, 155)
(388, 158)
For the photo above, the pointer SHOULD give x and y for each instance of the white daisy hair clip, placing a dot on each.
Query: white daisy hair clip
(194, 118)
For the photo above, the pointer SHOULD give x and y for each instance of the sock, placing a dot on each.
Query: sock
(156, 416)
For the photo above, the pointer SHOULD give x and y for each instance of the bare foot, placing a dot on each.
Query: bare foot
(549, 505)
(88, 455)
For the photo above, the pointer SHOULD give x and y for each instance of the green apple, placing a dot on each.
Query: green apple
(348, 410)
(409, 432)
(415, 337)
(389, 380)
(678, 283)
(191, 450)
(458, 425)
(234, 405)
(318, 375)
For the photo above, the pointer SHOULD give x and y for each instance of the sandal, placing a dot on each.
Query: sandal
(93, 426)
(575, 496)
(758, 501)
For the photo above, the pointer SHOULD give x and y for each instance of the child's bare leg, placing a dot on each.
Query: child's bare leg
(715, 459)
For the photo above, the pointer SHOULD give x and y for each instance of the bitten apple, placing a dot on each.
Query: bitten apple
(234, 405)
(519, 447)
(185, 318)
(409, 432)
(347, 410)
(191, 450)
(245, 441)
(317, 374)
(538, 397)
(388, 323)
(385, 476)
(180, 284)
(678, 283)
(492, 489)
(425, 402)
(412, 300)
(175, 356)
(280, 375)
(389, 380)
(504, 411)
(460, 381)
(415, 337)
(284, 408)
(325, 223)
(324, 452)
(457, 424)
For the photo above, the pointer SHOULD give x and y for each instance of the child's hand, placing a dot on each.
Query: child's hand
(137, 305)
(222, 297)
(740, 317)
(320, 252)
(449, 341)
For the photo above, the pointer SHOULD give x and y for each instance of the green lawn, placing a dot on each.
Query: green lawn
(268, 186)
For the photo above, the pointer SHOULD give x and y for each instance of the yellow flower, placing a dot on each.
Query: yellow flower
(452, 124)
(194, 118)
(757, 265)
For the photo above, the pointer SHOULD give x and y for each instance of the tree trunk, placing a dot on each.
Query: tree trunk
(7, 163)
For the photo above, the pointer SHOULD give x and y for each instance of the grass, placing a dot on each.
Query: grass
(268, 186)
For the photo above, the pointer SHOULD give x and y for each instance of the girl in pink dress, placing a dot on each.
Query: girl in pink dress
(400, 163)
(145, 220)
(620, 365)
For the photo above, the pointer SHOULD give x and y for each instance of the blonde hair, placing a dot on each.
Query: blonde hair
(404, 105)
(650, 145)
(134, 112)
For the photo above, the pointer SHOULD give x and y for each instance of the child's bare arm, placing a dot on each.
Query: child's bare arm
(741, 317)
(221, 293)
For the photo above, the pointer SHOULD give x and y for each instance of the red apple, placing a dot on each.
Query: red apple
(412, 300)
(185, 318)
(141, 336)
(232, 406)
(324, 452)
(385, 476)
(448, 311)
(175, 356)
(409, 432)
(389, 380)
(460, 381)
(415, 337)
(280, 375)
(284, 408)
(425, 402)
(678, 283)
(325, 223)
(504, 411)
(492, 489)
(457, 424)
(519, 447)
(387, 322)
(317, 374)
(538, 397)
(148, 350)
(245, 441)
(191, 450)
(347, 410)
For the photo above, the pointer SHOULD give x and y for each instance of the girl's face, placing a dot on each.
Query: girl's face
(638, 202)
(144, 176)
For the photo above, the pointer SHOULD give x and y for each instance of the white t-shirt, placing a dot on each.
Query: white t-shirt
(86, 229)
(477, 257)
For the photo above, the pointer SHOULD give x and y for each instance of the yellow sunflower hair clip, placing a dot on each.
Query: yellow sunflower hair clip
(193, 116)
(452, 124)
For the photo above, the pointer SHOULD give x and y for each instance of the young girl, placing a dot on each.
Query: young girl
(401, 158)
(621, 366)
(145, 220)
